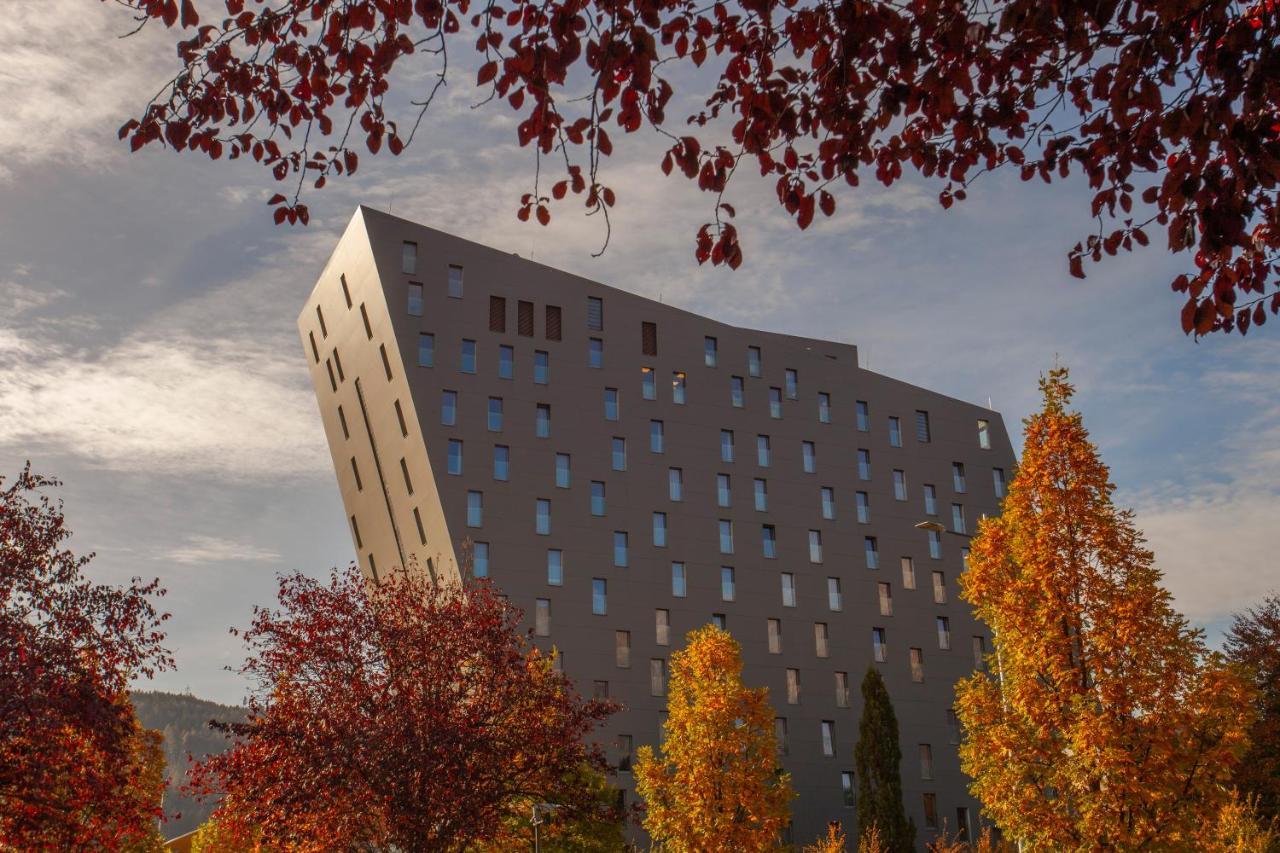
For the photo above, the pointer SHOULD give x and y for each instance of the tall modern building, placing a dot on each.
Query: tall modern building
(627, 471)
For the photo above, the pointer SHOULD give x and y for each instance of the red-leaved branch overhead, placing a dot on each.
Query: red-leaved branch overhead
(1168, 107)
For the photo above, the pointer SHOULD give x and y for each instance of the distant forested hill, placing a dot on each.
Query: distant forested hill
(184, 721)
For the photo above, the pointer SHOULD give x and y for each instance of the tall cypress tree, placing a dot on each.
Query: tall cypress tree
(877, 758)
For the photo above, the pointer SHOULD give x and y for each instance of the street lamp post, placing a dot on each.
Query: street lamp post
(546, 808)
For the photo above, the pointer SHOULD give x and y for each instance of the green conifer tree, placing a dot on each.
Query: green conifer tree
(877, 758)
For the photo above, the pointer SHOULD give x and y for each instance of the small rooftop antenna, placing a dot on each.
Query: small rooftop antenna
(990, 407)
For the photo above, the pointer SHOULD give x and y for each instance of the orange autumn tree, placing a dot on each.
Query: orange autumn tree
(717, 784)
(1101, 721)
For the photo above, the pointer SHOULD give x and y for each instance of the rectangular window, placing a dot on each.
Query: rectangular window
(984, 434)
(355, 470)
(426, 349)
(599, 596)
(415, 299)
(342, 421)
(788, 589)
(879, 645)
(809, 456)
(620, 548)
(555, 567)
(864, 508)
(900, 484)
(597, 498)
(679, 581)
(926, 762)
(737, 392)
(761, 487)
(455, 457)
(842, 690)
(792, 384)
(835, 598)
(409, 258)
(775, 636)
(935, 545)
(468, 361)
(720, 621)
(726, 445)
(355, 532)
(315, 351)
(501, 463)
(618, 453)
(828, 738)
(542, 517)
(404, 427)
(497, 314)
(659, 530)
(541, 367)
(953, 726)
(917, 664)
(872, 551)
(728, 588)
(762, 451)
(657, 677)
(709, 352)
(675, 484)
(979, 646)
(944, 632)
(931, 811)
(337, 362)
(599, 690)
(346, 291)
(964, 557)
(821, 640)
(775, 403)
(824, 407)
(677, 387)
(648, 338)
(908, 573)
(922, 426)
(563, 474)
(864, 464)
(724, 496)
(847, 788)
(864, 416)
(622, 649)
(769, 542)
(657, 437)
(506, 362)
(611, 404)
(552, 322)
(662, 627)
(495, 414)
(885, 591)
(828, 503)
(726, 536)
(475, 509)
(524, 319)
(386, 362)
(455, 281)
(793, 686)
(957, 477)
(957, 518)
(997, 481)
(895, 432)
(753, 361)
(595, 314)
(542, 617)
(648, 383)
(815, 546)
(480, 559)
(542, 421)
(595, 353)
(930, 499)
(449, 408)
(964, 831)
(780, 735)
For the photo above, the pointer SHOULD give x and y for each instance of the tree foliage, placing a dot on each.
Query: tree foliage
(877, 759)
(75, 766)
(1107, 724)
(716, 784)
(1168, 110)
(598, 826)
(833, 842)
(399, 714)
(1254, 642)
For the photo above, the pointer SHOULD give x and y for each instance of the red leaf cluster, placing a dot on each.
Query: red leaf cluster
(1170, 110)
(397, 715)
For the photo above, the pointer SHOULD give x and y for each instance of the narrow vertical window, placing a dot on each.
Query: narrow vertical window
(762, 451)
(900, 485)
(679, 582)
(726, 445)
(426, 349)
(885, 593)
(979, 646)
(815, 546)
(809, 456)
(775, 403)
(761, 492)
(618, 454)
(599, 597)
(497, 314)
(555, 567)
(324, 330)
(597, 498)
(957, 477)
(648, 338)
(997, 481)
(864, 416)
(542, 517)
(524, 319)
(770, 537)
(659, 530)
(355, 532)
(908, 573)
(364, 316)
(386, 362)
(675, 484)
(793, 686)
(842, 690)
(409, 258)
(342, 421)
(788, 589)
(414, 305)
(824, 407)
(506, 362)
(835, 598)
(728, 586)
(821, 640)
(541, 367)
(737, 392)
(355, 470)
(930, 811)
(495, 414)
(346, 291)
(611, 404)
(895, 432)
(984, 434)
(724, 495)
(957, 518)
(930, 499)
(542, 421)
(792, 384)
(562, 470)
(475, 509)
(315, 350)
(879, 645)
(753, 361)
(620, 550)
(710, 353)
(864, 508)
(780, 735)
(468, 362)
(480, 559)
(648, 383)
(595, 314)
(455, 281)
(775, 636)
(662, 627)
(726, 536)
(872, 551)
(595, 353)
(449, 408)
(501, 463)
(935, 545)
(917, 665)
(337, 362)
(922, 427)
(622, 649)
(658, 677)
(677, 387)
(944, 632)
(926, 762)
(864, 464)
(828, 738)
(847, 788)
(542, 617)
(404, 427)
(333, 380)
(404, 472)
(552, 318)
(828, 503)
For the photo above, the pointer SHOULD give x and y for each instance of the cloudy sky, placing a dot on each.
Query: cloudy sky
(148, 355)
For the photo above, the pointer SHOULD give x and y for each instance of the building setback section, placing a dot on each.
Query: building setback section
(627, 471)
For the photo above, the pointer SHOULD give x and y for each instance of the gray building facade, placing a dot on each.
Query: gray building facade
(627, 471)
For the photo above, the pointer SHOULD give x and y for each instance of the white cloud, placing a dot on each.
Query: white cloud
(213, 549)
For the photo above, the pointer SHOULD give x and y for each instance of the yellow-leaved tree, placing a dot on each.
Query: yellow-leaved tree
(1101, 721)
(717, 784)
